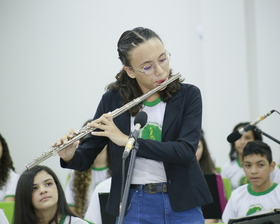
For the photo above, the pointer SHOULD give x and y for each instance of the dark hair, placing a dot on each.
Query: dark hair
(233, 152)
(6, 163)
(258, 148)
(128, 87)
(206, 163)
(24, 210)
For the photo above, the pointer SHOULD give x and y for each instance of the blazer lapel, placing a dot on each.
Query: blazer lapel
(171, 111)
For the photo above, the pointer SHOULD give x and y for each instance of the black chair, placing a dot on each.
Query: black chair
(215, 209)
(105, 216)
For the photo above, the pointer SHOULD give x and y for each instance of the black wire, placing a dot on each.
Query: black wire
(276, 111)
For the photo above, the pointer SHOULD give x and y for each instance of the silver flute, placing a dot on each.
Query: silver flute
(52, 151)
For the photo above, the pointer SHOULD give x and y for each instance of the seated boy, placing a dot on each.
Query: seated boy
(260, 193)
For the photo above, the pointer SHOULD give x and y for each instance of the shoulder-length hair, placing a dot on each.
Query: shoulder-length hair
(6, 163)
(24, 209)
(233, 152)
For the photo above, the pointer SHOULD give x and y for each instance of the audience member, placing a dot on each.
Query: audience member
(206, 163)
(93, 213)
(40, 199)
(81, 184)
(261, 193)
(203, 156)
(233, 169)
(8, 176)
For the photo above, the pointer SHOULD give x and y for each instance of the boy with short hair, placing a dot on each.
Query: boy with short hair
(260, 193)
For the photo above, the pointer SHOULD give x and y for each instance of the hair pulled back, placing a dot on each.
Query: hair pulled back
(128, 87)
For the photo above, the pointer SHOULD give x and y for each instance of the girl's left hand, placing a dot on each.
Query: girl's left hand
(110, 130)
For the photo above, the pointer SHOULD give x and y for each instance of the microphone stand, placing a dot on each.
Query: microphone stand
(127, 183)
(267, 135)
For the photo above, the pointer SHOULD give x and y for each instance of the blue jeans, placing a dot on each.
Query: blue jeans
(144, 208)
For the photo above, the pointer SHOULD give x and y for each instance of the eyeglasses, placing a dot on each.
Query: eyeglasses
(149, 69)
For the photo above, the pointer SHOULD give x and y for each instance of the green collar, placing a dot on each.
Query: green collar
(151, 104)
(99, 169)
(249, 188)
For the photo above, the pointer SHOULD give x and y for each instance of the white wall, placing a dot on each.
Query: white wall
(57, 56)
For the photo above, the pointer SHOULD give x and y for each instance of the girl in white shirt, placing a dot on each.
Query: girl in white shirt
(8, 176)
(40, 199)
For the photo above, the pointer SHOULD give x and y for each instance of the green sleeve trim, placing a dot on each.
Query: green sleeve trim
(89, 221)
(70, 205)
(7, 196)
(99, 169)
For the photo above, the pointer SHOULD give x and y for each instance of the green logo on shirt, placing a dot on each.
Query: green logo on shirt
(151, 131)
(253, 210)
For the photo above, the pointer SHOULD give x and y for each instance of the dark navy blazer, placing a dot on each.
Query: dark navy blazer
(187, 187)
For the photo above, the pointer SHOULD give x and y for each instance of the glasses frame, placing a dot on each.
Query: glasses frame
(168, 55)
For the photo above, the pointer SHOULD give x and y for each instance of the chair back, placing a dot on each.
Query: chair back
(215, 209)
(227, 187)
(8, 208)
(219, 170)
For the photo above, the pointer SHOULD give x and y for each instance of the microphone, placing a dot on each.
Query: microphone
(139, 122)
(238, 133)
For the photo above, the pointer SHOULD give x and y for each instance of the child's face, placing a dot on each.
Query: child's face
(45, 195)
(243, 140)
(257, 169)
(149, 52)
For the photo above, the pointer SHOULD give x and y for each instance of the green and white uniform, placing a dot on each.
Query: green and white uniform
(148, 170)
(244, 201)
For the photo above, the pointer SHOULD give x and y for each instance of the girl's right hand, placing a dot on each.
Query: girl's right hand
(68, 152)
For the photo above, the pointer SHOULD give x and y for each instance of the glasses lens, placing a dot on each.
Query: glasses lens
(163, 61)
(148, 69)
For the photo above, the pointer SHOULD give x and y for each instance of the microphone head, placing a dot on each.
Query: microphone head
(141, 118)
(233, 136)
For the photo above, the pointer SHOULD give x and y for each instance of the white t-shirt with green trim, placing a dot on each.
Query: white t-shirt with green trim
(244, 201)
(147, 170)
(9, 189)
(234, 172)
